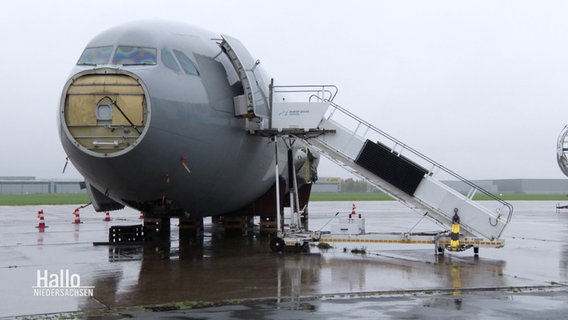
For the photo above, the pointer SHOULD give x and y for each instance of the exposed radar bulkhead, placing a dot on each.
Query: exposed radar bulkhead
(105, 111)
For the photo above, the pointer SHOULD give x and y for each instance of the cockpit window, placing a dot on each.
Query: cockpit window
(128, 55)
(169, 60)
(186, 63)
(95, 56)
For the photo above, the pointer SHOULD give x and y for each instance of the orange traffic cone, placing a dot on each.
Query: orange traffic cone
(352, 214)
(77, 217)
(107, 217)
(41, 224)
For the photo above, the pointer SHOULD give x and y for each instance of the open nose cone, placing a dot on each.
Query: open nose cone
(104, 113)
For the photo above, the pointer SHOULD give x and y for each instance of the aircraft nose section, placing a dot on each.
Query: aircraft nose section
(105, 112)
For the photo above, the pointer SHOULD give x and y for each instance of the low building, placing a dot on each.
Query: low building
(515, 186)
(327, 184)
(497, 186)
(31, 185)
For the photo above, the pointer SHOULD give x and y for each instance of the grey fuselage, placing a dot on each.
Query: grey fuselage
(155, 138)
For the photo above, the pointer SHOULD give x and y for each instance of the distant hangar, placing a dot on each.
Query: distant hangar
(32, 185)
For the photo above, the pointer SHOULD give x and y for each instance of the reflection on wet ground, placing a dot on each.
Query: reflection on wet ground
(233, 269)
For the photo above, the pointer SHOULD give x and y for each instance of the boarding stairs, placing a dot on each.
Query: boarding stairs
(360, 147)
(394, 167)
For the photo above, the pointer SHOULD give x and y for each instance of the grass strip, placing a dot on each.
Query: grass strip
(82, 198)
(334, 196)
(43, 199)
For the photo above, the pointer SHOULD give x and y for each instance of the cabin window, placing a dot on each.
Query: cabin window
(169, 60)
(186, 63)
(129, 55)
(95, 56)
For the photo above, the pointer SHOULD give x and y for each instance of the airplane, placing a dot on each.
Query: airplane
(158, 116)
(561, 150)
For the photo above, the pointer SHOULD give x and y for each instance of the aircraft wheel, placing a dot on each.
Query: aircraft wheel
(277, 244)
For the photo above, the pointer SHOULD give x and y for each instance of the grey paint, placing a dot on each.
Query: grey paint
(191, 117)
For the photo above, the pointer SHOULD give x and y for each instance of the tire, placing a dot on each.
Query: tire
(277, 244)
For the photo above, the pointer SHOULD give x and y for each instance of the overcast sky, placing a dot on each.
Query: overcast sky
(479, 86)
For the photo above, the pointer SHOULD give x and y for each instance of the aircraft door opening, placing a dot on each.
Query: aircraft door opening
(255, 98)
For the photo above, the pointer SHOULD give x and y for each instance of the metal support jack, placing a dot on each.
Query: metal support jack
(295, 226)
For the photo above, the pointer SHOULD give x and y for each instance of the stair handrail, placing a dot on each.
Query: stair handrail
(419, 154)
(321, 90)
(327, 93)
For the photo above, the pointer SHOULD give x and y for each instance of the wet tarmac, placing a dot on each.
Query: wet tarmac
(239, 276)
